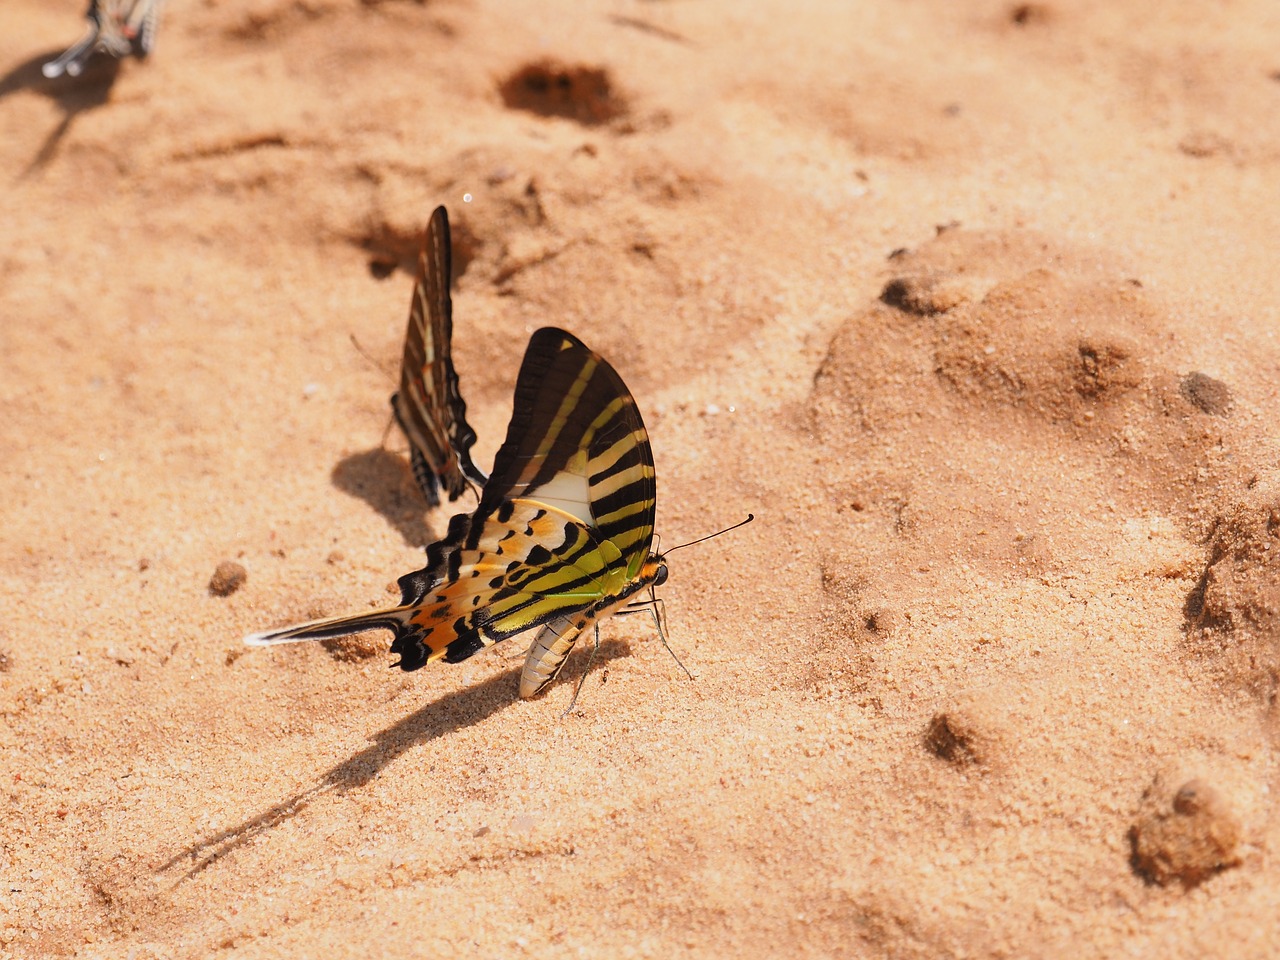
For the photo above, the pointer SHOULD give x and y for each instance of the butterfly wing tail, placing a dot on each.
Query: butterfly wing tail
(410, 637)
(474, 473)
(395, 619)
(72, 61)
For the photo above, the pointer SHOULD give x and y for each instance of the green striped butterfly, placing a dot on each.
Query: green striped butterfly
(560, 539)
(429, 406)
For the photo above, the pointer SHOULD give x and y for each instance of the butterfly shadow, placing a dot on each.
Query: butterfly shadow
(74, 95)
(383, 480)
(449, 714)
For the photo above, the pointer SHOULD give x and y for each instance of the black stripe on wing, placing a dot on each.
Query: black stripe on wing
(574, 415)
(429, 405)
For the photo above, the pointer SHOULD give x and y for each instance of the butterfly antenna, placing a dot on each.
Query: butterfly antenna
(658, 609)
(369, 357)
(386, 431)
(740, 523)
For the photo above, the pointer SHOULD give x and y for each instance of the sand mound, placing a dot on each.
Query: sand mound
(1233, 614)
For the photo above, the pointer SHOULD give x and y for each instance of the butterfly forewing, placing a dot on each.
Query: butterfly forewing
(429, 405)
(576, 441)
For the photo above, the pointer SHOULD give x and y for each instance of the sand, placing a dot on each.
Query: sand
(973, 305)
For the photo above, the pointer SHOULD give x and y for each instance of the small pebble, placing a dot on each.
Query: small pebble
(1187, 837)
(227, 579)
(1207, 394)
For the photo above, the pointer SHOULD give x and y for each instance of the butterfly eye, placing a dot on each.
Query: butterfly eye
(660, 577)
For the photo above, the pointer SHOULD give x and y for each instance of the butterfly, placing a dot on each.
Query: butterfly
(429, 406)
(117, 27)
(561, 538)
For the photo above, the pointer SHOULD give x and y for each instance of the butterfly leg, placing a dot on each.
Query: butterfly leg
(595, 648)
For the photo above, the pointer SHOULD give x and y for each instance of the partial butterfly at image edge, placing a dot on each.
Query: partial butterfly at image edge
(116, 27)
(561, 536)
(428, 406)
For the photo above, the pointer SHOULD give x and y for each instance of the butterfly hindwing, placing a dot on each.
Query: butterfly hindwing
(530, 563)
(429, 405)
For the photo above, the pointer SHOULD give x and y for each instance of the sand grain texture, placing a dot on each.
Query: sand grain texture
(974, 305)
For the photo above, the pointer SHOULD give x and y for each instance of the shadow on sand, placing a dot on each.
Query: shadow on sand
(382, 480)
(452, 712)
(75, 95)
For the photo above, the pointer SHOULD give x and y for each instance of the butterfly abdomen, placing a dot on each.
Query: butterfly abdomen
(555, 641)
(549, 652)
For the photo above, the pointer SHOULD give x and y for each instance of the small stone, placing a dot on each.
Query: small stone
(1207, 394)
(1187, 837)
(227, 579)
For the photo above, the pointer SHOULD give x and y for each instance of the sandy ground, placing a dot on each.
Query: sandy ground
(973, 304)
